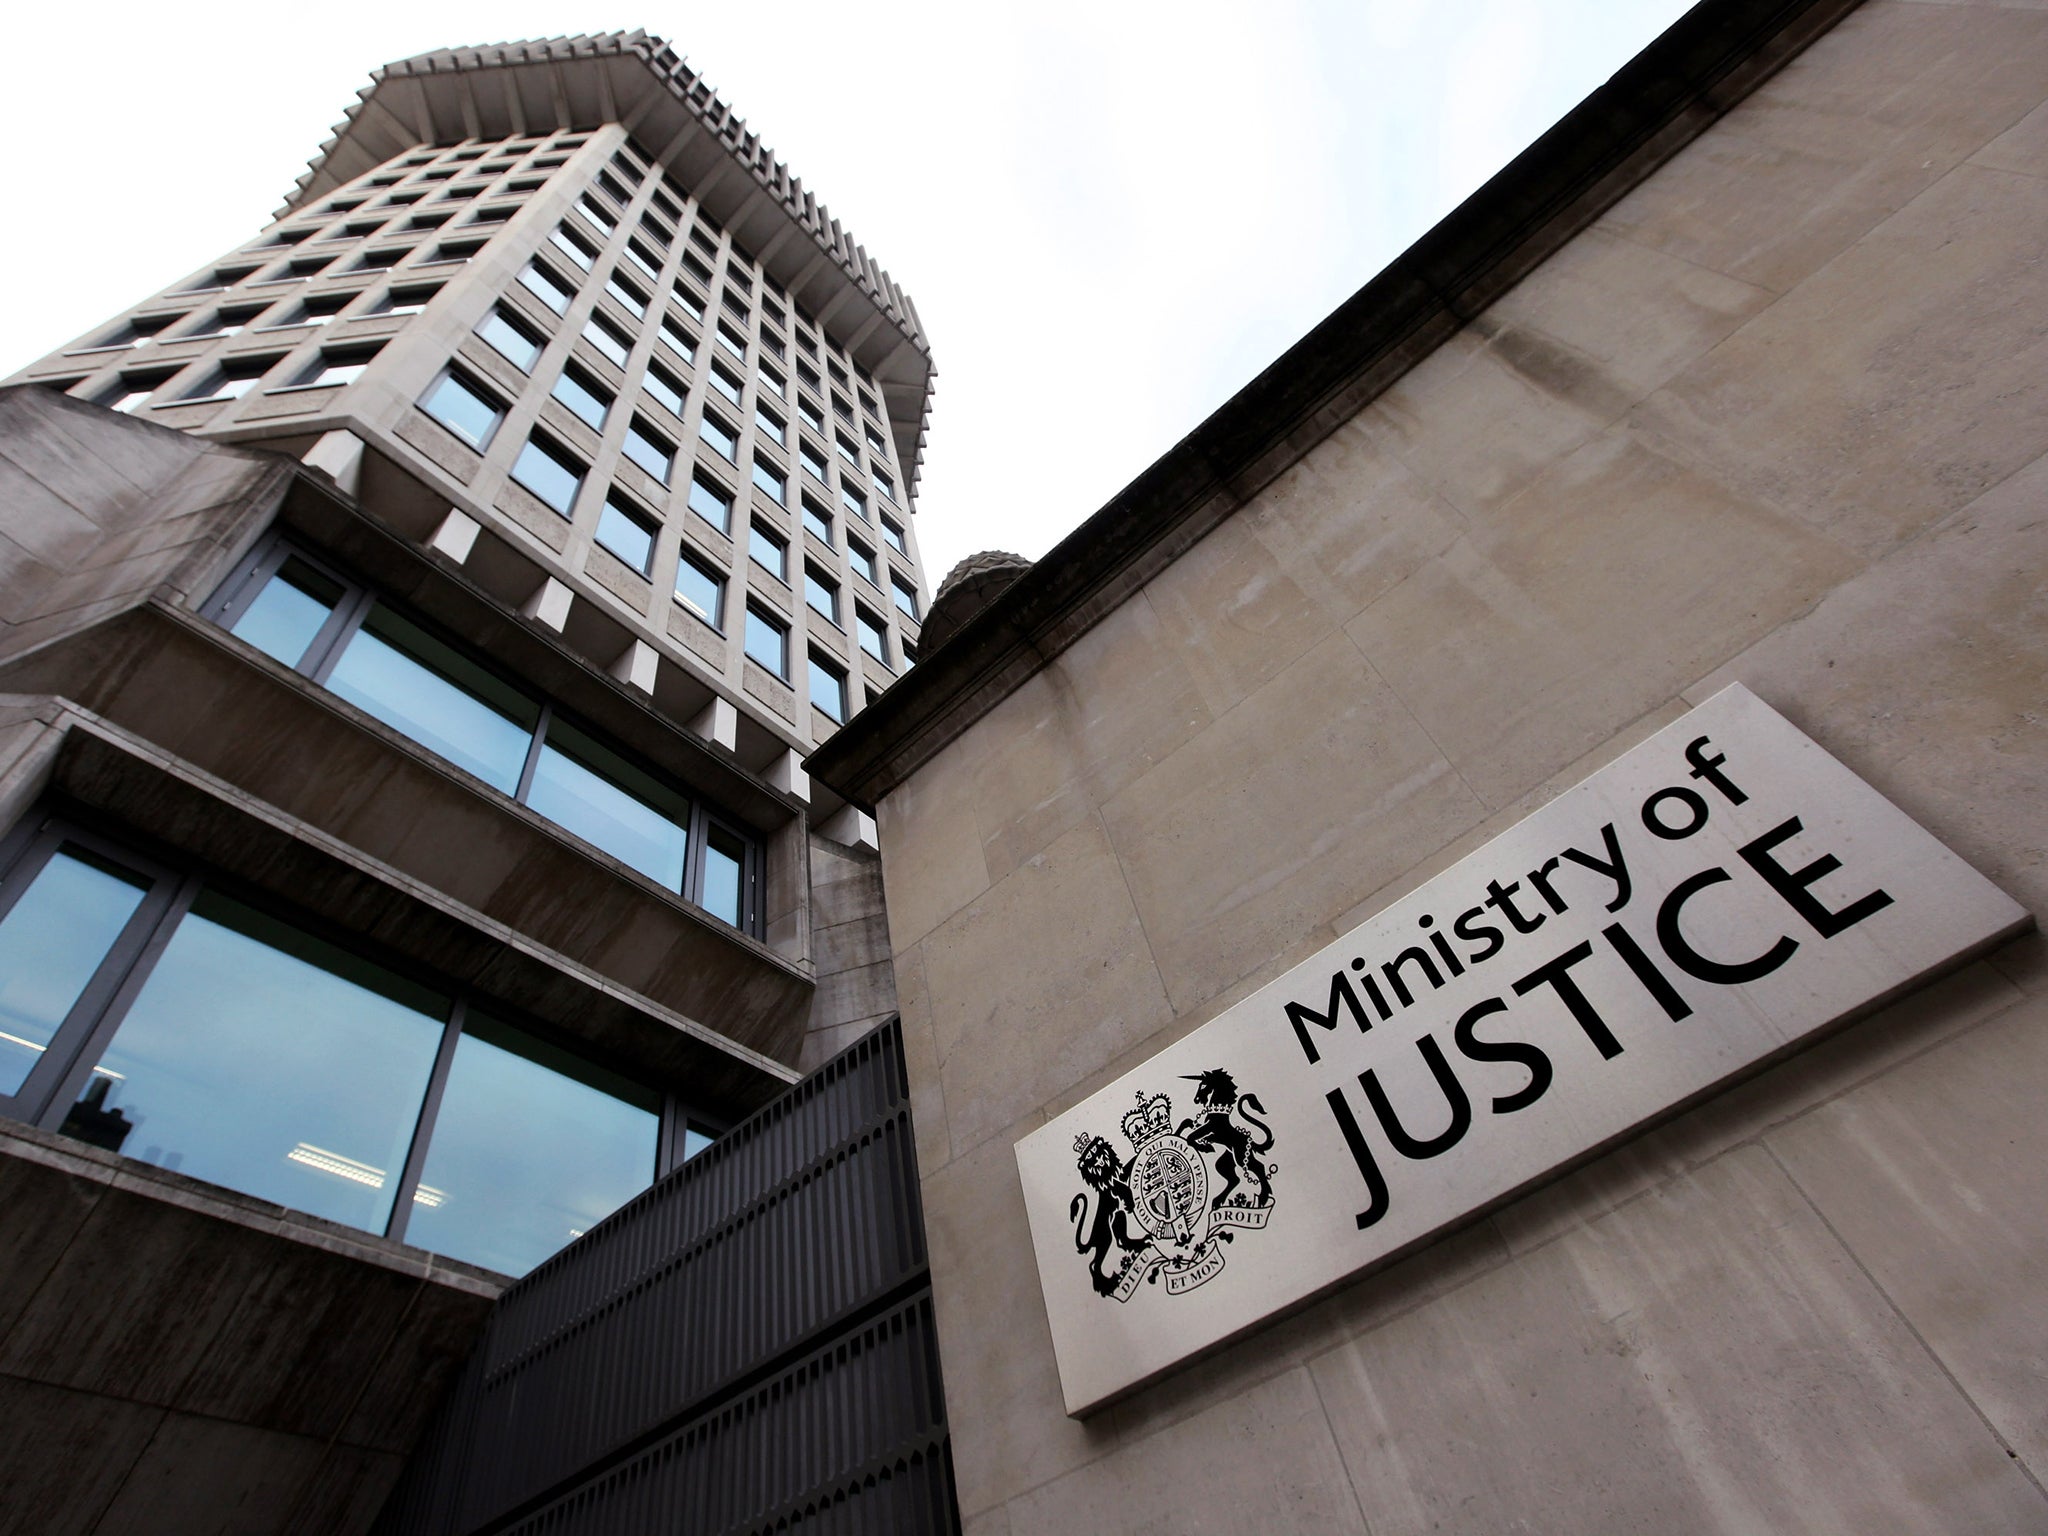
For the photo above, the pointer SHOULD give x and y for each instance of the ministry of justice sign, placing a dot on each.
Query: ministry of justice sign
(1695, 908)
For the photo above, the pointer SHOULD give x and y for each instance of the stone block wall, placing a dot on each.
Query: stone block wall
(1777, 417)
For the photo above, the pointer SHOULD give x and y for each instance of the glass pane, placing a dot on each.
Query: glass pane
(767, 643)
(289, 611)
(462, 411)
(531, 1149)
(694, 1141)
(625, 536)
(50, 944)
(442, 700)
(590, 404)
(701, 590)
(259, 1057)
(603, 799)
(515, 345)
(767, 550)
(552, 480)
(725, 855)
(828, 690)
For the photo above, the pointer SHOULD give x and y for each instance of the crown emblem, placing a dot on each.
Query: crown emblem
(1152, 1118)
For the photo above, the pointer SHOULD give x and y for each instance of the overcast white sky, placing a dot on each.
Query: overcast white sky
(1111, 214)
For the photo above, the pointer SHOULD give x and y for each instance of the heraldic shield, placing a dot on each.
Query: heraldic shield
(1163, 1216)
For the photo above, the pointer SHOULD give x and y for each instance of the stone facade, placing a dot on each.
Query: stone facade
(1763, 404)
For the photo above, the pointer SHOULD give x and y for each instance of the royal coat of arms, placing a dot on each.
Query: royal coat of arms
(1165, 1213)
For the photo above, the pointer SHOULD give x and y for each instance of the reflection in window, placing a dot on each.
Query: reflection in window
(51, 942)
(289, 612)
(441, 699)
(604, 800)
(497, 1189)
(259, 1057)
(725, 860)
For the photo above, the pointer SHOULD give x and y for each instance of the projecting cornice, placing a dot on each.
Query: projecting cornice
(637, 80)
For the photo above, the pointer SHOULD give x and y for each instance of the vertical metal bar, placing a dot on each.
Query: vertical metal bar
(423, 1128)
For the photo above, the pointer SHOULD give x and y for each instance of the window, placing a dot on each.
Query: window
(432, 220)
(574, 246)
(510, 339)
(643, 258)
(365, 651)
(589, 399)
(686, 302)
(768, 551)
(604, 336)
(893, 532)
(821, 592)
(875, 443)
(131, 390)
(838, 377)
(850, 499)
(549, 472)
(828, 688)
(629, 296)
(665, 387)
(737, 305)
(219, 277)
(842, 410)
(818, 522)
(736, 270)
(543, 285)
(885, 485)
(591, 211)
(719, 436)
(773, 481)
(847, 450)
(774, 381)
(132, 333)
(731, 340)
(814, 461)
(336, 367)
(698, 270)
(678, 340)
(464, 408)
(223, 322)
(867, 403)
(874, 638)
(725, 383)
(496, 214)
(711, 503)
(395, 301)
(701, 590)
(650, 450)
(303, 266)
(773, 342)
(608, 184)
(626, 532)
(771, 426)
(767, 641)
(230, 380)
(455, 250)
(704, 242)
(813, 417)
(905, 596)
(863, 561)
(377, 261)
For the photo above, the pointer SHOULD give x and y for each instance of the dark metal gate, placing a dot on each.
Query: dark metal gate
(747, 1347)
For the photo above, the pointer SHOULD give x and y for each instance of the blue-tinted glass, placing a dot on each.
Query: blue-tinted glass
(817, 522)
(545, 288)
(714, 432)
(665, 389)
(518, 348)
(768, 551)
(51, 942)
(675, 337)
(724, 858)
(289, 611)
(768, 643)
(440, 699)
(852, 502)
(462, 410)
(905, 598)
(573, 248)
(828, 690)
(694, 1141)
(548, 477)
(769, 481)
(871, 639)
(531, 1149)
(579, 785)
(592, 404)
(264, 1059)
(821, 594)
(713, 506)
(701, 590)
(606, 340)
(894, 535)
(652, 455)
(862, 560)
(625, 536)
(627, 297)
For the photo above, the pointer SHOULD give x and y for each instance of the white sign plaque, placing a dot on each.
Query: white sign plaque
(1700, 905)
